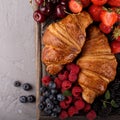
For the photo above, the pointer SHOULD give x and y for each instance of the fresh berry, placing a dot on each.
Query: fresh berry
(91, 115)
(63, 75)
(85, 3)
(58, 83)
(26, 86)
(47, 111)
(17, 84)
(116, 33)
(39, 2)
(63, 115)
(76, 91)
(53, 91)
(46, 80)
(72, 77)
(99, 2)
(68, 99)
(108, 18)
(57, 109)
(72, 111)
(42, 89)
(60, 11)
(63, 105)
(31, 98)
(87, 107)
(46, 94)
(105, 29)
(66, 85)
(60, 97)
(115, 46)
(54, 115)
(51, 85)
(42, 98)
(75, 6)
(115, 3)
(23, 99)
(79, 104)
(95, 11)
(47, 100)
(41, 106)
(50, 105)
(75, 69)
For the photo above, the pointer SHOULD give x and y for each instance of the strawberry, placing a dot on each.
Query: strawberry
(105, 29)
(115, 3)
(108, 18)
(95, 12)
(116, 33)
(115, 46)
(75, 6)
(85, 3)
(99, 2)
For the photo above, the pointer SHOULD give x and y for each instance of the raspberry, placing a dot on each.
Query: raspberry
(63, 90)
(72, 77)
(46, 80)
(58, 83)
(63, 105)
(91, 115)
(63, 76)
(79, 104)
(87, 107)
(72, 111)
(63, 115)
(76, 91)
(66, 85)
(68, 99)
(73, 68)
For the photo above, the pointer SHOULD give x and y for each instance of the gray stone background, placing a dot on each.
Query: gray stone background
(17, 58)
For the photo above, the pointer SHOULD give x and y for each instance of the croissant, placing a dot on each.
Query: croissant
(64, 40)
(98, 65)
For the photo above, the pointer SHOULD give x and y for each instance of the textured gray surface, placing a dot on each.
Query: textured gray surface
(17, 58)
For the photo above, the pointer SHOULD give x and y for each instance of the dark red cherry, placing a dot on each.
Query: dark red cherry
(63, 2)
(38, 16)
(60, 11)
(39, 2)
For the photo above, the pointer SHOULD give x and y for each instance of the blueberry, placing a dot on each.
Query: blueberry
(42, 98)
(46, 94)
(27, 86)
(41, 106)
(52, 85)
(60, 97)
(57, 109)
(50, 105)
(23, 99)
(51, 97)
(47, 100)
(55, 102)
(17, 84)
(43, 89)
(31, 98)
(47, 111)
(53, 91)
(54, 115)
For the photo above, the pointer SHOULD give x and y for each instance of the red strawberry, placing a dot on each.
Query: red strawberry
(116, 33)
(79, 104)
(115, 3)
(76, 91)
(58, 83)
(63, 75)
(95, 12)
(63, 115)
(63, 104)
(91, 115)
(72, 111)
(99, 2)
(115, 46)
(66, 85)
(46, 80)
(85, 3)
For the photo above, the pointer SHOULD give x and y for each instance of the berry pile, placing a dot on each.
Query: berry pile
(62, 96)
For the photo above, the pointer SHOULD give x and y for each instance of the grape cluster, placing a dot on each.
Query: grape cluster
(53, 9)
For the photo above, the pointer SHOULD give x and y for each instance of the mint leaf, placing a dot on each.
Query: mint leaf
(114, 104)
(104, 104)
(107, 95)
(67, 93)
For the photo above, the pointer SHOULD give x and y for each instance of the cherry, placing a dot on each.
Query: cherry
(39, 2)
(63, 2)
(38, 16)
(60, 11)
(55, 1)
(46, 9)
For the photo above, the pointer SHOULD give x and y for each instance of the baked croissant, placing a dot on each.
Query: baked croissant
(64, 40)
(98, 65)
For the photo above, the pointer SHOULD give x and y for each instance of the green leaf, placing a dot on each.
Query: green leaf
(67, 93)
(104, 104)
(107, 95)
(114, 104)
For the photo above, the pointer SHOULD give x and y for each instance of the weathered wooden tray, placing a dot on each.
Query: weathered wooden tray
(40, 70)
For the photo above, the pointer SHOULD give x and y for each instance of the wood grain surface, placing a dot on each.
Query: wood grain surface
(40, 68)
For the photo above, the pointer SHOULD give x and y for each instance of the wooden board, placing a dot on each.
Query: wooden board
(40, 71)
